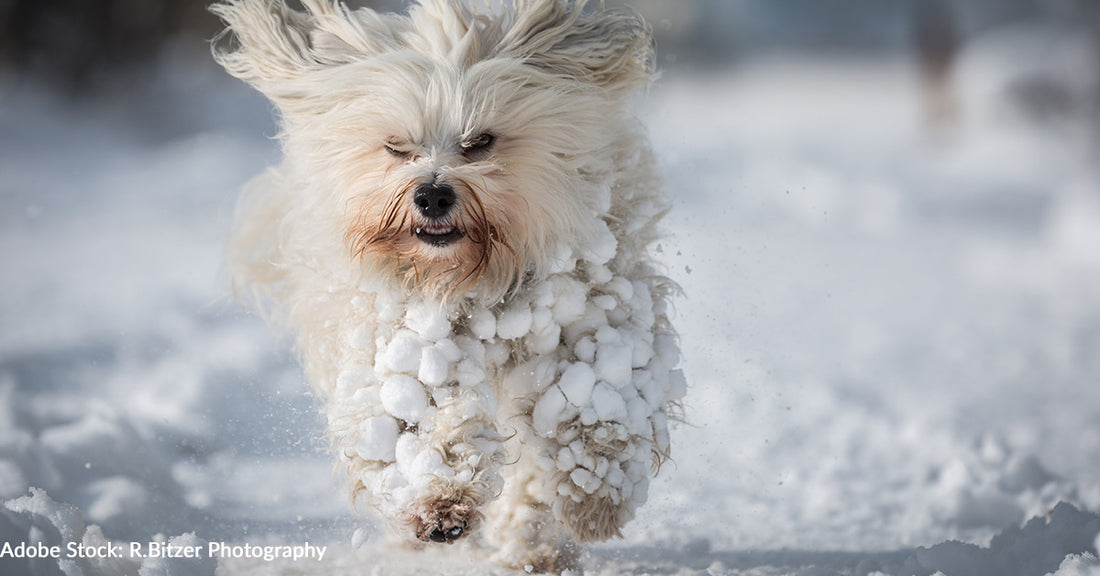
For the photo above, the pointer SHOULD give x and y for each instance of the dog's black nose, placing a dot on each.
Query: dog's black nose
(434, 200)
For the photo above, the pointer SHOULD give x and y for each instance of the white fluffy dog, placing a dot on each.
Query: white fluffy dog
(459, 235)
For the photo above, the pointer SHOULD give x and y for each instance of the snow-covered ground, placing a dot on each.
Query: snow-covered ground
(891, 334)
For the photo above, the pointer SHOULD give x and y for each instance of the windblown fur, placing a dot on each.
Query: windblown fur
(460, 235)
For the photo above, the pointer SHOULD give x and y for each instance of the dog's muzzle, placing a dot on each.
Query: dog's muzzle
(435, 202)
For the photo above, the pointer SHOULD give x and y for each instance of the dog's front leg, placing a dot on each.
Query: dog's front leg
(416, 428)
(523, 530)
(452, 462)
(605, 415)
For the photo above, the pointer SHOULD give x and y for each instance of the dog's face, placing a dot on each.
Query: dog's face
(455, 151)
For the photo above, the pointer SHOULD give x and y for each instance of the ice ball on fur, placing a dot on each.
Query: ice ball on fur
(404, 398)
(548, 411)
(377, 439)
(482, 324)
(514, 322)
(608, 404)
(576, 383)
(402, 354)
(434, 366)
(429, 320)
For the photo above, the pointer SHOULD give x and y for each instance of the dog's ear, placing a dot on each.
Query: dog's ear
(607, 48)
(270, 45)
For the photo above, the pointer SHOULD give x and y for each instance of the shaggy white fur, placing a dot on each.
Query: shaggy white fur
(460, 236)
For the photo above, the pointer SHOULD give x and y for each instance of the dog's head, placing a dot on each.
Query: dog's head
(458, 150)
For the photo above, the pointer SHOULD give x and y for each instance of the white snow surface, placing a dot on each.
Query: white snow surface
(890, 336)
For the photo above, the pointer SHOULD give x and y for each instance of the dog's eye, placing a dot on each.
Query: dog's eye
(478, 144)
(397, 150)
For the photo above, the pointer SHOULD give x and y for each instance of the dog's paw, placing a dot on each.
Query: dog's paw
(443, 518)
(440, 531)
(595, 518)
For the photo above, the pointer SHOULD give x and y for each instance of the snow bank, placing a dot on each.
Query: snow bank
(56, 541)
(1063, 542)
(95, 457)
(1085, 564)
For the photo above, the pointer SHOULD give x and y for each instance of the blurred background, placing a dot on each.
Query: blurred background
(89, 46)
(120, 48)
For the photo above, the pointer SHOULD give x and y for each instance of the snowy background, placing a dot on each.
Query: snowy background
(891, 325)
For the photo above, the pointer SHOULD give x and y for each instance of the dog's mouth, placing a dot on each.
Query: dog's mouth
(438, 235)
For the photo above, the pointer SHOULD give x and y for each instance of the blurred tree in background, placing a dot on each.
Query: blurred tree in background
(75, 41)
(78, 43)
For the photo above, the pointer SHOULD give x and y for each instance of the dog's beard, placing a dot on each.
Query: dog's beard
(469, 251)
